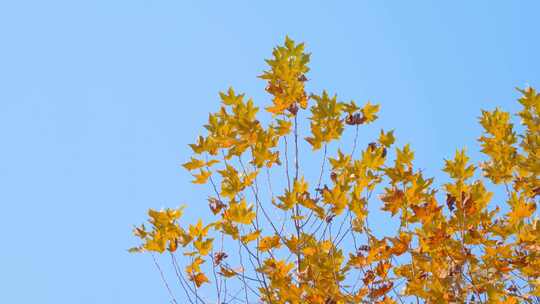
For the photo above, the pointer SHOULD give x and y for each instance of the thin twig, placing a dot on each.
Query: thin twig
(173, 299)
(180, 277)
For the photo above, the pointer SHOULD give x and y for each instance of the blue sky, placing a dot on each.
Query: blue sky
(99, 99)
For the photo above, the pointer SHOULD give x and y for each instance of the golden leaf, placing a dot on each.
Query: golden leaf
(269, 242)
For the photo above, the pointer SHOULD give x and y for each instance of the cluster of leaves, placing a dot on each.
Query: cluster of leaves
(454, 243)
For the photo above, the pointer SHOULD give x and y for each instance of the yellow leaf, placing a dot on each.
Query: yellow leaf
(520, 208)
(283, 127)
(198, 230)
(239, 212)
(458, 168)
(251, 236)
(199, 278)
(203, 247)
(370, 112)
(193, 164)
(393, 200)
(269, 242)
(230, 98)
(387, 139)
(309, 251)
(404, 156)
(202, 177)
(227, 272)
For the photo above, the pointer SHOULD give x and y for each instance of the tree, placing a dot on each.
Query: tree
(312, 243)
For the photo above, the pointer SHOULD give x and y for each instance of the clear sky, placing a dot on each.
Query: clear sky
(99, 99)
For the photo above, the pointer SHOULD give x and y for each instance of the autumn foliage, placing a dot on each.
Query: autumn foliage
(278, 237)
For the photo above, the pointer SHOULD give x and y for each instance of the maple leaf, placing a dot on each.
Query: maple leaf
(230, 98)
(201, 177)
(326, 123)
(251, 236)
(269, 242)
(370, 112)
(198, 278)
(393, 199)
(520, 208)
(203, 247)
(387, 139)
(283, 127)
(458, 168)
(239, 212)
(227, 272)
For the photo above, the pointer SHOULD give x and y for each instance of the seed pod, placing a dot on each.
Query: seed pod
(349, 120)
(329, 218)
(215, 205)
(219, 256)
(293, 109)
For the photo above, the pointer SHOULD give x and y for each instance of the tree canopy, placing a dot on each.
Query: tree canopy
(296, 240)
